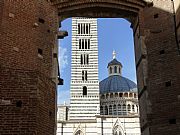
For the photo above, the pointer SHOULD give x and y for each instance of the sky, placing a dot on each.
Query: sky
(113, 34)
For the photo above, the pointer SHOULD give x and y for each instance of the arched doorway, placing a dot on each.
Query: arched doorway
(79, 132)
(117, 130)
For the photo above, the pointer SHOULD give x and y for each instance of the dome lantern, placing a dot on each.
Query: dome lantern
(114, 66)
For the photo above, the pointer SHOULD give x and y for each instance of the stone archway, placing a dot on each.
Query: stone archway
(100, 8)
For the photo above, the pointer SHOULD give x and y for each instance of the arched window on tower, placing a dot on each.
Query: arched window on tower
(119, 70)
(115, 69)
(79, 43)
(84, 90)
(110, 70)
(81, 59)
(86, 28)
(78, 28)
(82, 43)
(83, 75)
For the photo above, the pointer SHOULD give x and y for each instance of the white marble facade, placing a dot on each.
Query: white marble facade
(102, 125)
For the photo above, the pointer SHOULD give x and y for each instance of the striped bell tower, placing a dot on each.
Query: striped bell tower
(84, 98)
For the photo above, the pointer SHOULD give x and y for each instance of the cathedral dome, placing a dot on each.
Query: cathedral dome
(117, 83)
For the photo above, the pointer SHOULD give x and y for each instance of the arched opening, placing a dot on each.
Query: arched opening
(112, 109)
(126, 95)
(116, 95)
(103, 96)
(84, 91)
(79, 132)
(130, 95)
(120, 94)
(117, 130)
(107, 96)
(110, 70)
(111, 95)
(115, 69)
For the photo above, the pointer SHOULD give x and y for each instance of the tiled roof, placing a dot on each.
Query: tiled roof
(117, 83)
(114, 62)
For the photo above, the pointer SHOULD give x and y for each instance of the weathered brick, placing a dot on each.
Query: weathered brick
(27, 92)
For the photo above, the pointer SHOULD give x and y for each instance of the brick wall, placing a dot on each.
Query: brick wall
(1, 9)
(159, 102)
(27, 93)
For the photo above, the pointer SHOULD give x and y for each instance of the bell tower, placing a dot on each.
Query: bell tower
(84, 99)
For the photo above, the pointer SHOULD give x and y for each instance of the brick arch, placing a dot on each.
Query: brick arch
(99, 8)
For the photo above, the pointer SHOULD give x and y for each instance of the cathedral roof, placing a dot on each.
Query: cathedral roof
(114, 62)
(117, 83)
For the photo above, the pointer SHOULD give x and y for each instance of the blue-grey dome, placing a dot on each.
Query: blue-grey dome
(117, 83)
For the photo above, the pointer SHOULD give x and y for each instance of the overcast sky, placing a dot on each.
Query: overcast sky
(113, 34)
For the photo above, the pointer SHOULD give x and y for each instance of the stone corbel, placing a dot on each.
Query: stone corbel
(62, 34)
